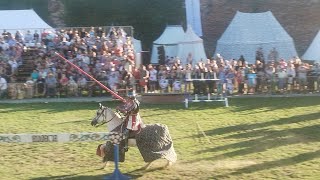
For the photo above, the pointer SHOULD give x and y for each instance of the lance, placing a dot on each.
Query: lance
(92, 78)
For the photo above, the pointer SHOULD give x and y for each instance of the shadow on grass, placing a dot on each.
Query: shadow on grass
(244, 127)
(272, 103)
(269, 139)
(132, 175)
(274, 164)
(263, 137)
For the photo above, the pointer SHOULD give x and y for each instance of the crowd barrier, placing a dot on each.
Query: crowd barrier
(310, 84)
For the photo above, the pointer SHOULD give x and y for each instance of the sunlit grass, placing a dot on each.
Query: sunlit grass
(254, 138)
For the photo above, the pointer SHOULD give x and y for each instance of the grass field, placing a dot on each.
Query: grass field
(255, 138)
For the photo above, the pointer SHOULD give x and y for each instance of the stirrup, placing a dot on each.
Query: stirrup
(126, 148)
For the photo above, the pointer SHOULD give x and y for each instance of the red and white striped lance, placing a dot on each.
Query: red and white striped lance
(92, 78)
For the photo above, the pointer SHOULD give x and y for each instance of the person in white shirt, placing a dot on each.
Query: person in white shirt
(3, 87)
(28, 38)
(153, 73)
(4, 45)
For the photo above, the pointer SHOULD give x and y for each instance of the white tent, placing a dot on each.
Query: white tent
(313, 51)
(23, 20)
(193, 44)
(169, 39)
(249, 31)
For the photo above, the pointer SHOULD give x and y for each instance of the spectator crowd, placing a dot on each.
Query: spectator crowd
(110, 58)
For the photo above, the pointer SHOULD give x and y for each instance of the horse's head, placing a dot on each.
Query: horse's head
(99, 117)
(105, 115)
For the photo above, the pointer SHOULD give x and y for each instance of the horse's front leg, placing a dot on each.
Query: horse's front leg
(169, 164)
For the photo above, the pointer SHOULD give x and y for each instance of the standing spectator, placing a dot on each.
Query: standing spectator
(196, 75)
(144, 76)
(270, 73)
(19, 36)
(99, 32)
(302, 77)
(291, 72)
(282, 79)
(240, 77)
(230, 76)
(221, 86)
(241, 61)
(36, 37)
(316, 69)
(259, 69)
(187, 76)
(153, 73)
(136, 75)
(252, 76)
(273, 55)
(190, 59)
(28, 38)
(3, 87)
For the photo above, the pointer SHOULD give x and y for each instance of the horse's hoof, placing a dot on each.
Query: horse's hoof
(105, 165)
(168, 165)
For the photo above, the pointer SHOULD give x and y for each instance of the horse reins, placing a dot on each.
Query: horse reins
(104, 117)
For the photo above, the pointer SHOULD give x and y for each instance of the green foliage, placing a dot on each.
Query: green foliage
(148, 17)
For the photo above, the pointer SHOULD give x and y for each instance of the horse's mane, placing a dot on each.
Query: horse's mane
(116, 124)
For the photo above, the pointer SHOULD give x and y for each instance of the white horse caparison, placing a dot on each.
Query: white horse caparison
(153, 141)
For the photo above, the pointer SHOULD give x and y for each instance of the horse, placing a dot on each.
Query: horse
(153, 140)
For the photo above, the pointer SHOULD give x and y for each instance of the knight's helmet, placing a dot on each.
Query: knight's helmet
(133, 96)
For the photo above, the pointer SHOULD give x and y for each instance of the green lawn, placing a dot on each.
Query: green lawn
(254, 138)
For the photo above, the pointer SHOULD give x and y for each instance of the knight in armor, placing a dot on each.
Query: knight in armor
(130, 113)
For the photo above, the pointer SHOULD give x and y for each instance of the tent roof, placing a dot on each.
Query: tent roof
(313, 51)
(21, 19)
(249, 31)
(254, 28)
(171, 35)
(190, 36)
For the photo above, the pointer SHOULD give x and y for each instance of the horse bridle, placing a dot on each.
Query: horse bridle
(105, 116)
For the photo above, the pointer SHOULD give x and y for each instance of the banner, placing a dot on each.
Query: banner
(194, 16)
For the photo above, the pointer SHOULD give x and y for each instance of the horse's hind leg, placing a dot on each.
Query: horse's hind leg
(105, 165)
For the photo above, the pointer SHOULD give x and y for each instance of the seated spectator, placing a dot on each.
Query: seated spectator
(113, 80)
(302, 77)
(163, 83)
(82, 84)
(51, 85)
(29, 87)
(63, 83)
(176, 86)
(72, 87)
(14, 65)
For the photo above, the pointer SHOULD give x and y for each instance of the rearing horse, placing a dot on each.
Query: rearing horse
(153, 140)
